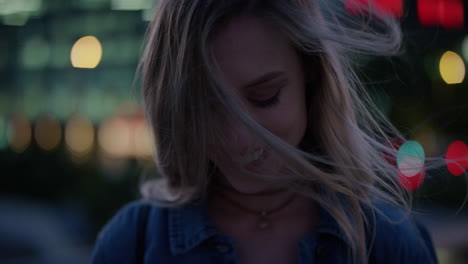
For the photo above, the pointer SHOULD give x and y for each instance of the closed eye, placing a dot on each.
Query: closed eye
(268, 102)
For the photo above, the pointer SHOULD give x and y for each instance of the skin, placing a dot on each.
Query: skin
(249, 50)
(246, 49)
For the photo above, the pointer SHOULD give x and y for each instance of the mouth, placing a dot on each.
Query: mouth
(255, 159)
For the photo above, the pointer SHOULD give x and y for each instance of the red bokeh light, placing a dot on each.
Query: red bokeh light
(451, 14)
(389, 7)
(412, 183)
(457, 157)
(428, 12)
(447, 13)
(409, 183)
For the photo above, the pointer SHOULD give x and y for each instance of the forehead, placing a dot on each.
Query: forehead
(249, 46)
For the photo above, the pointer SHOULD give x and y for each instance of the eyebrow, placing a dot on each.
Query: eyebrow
(264, 78)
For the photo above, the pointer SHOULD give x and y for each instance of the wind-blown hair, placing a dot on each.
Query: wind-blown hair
(339, 163)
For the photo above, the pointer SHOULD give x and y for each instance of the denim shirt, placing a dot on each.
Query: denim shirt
(144, 233)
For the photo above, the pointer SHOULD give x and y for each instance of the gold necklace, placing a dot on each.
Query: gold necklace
(223, 187)
(263, 221)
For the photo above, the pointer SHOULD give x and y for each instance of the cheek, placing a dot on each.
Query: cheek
(288, 121)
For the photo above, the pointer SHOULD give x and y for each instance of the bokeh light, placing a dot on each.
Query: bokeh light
(452, 68)
(19, 6)
(143, 140)
(451, 14)
(465, 48)
(410, 162)
(131, 5)
(428, 12)
(15, 19)
(388, 7)
(114, 137)
(446, 13)
(411, 152)
(19, 133)
(86, 53)
(92, 4)
(17, 12)
(3, 133)
(414, 182)
(79, 136)
(35, 53)
(457, 157)
(47, 133)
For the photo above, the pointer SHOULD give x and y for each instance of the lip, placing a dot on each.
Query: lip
(255, 165)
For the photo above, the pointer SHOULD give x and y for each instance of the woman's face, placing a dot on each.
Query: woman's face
(264, 70)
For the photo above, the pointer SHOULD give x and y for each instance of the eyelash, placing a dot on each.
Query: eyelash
(267, 103)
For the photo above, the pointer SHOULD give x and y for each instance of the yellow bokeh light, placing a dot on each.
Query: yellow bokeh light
(143, 140)
(452, 68)
(47, 133)
(19, 134)
(114, 137)
(79, 136)
(86, 53)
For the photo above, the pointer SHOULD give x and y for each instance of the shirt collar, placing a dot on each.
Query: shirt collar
(190, 225)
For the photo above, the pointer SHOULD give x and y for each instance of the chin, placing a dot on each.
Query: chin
(249, 185)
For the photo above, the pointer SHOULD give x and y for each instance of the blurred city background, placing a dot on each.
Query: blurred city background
(74, 144)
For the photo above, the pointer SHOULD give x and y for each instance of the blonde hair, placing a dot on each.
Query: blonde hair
(339, 163)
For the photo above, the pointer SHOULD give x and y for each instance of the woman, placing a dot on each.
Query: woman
(269, 149)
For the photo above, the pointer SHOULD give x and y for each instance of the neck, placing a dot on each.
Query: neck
(299, 216)
(263, 200)
(226, 200)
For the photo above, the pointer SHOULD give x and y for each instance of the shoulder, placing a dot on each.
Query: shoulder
(119, 239)
(396, 237)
